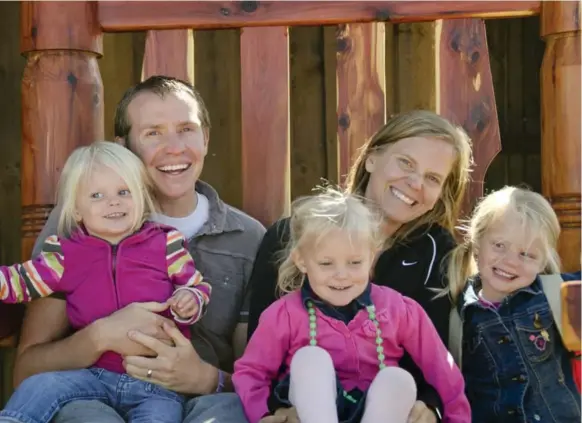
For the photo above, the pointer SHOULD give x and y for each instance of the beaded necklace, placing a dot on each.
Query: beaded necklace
(371, 309)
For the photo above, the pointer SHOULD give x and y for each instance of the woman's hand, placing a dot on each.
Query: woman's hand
(420, 413)
(282, 415)
(111, 332)
(178, 368)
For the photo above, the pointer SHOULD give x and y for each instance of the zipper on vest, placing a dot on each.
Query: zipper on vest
(113, 271)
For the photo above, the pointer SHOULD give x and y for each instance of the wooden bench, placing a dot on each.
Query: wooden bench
(62, 92)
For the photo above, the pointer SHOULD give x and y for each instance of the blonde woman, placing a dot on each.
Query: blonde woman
(107, 255)
(414, 170)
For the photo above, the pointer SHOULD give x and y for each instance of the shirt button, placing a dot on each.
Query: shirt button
(537, 418)
(504, 339)
(511, 412)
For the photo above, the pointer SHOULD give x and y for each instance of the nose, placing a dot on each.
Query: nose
(415, 181)
(114, 201)
(174, 143)
(512, 258)
(341, 272)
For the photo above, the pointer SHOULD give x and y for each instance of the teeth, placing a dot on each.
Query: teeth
(504, 274)
(402, 197)
(173, 168)
(339, 288)
(114, 215)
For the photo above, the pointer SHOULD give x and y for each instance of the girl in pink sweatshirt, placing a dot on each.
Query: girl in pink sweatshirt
(332, 345)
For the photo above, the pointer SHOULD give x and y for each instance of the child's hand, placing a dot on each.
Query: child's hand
(184, 304)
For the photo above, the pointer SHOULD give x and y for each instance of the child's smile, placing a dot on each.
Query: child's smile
(338, 266)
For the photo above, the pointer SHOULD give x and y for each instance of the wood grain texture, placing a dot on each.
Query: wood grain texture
(141, 15)
(561, 134)
(570, 296)
(265, 122)
(361, 87)
(60, 25)
(466, 95)
(170, 53)
(560, 16)
(62, 108)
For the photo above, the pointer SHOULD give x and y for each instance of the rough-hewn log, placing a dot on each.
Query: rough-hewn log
(171, 53)
(465, 93)
(561, 137)
(265, 122)
(361, 87)
(141, 15)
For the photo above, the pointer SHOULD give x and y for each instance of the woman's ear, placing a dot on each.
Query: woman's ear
(370, 163)
(77, 216)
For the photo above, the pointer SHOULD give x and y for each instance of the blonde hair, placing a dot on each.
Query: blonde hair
(536, 214)
(79, 166)
(421, 123)
(314, 217)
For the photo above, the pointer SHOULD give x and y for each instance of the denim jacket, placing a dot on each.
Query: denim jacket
(515, 366)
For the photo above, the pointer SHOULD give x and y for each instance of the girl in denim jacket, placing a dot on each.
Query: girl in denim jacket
(333, 343)
(515, 366)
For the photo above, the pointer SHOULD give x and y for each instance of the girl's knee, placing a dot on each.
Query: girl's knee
(394, 379)
(313, 357)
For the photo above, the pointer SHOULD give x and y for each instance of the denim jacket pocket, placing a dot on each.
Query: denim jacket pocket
(537, 335)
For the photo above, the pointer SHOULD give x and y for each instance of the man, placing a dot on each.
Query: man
(164, 122)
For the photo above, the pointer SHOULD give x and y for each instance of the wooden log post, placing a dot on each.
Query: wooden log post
(62, 99)
(169, 53)
(265, 122)
(361, 87)
(561, 137)
(465, 93)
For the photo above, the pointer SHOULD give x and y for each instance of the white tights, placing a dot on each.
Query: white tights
(313, 390)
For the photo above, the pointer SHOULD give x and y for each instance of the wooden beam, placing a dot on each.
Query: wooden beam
(142, 15)
(361, 87)
(170, 53)
(265, 122)
(561, 134)
(465, 93)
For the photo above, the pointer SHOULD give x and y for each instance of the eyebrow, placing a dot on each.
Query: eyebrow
(416, 162)
(159, 125)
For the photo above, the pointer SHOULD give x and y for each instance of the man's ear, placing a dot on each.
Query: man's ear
(299, 261)
(206, 134)
(121, 141)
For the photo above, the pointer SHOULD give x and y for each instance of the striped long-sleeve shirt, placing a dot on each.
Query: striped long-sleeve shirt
(147, 266)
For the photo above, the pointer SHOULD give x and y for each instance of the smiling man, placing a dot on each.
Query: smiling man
(165, 123)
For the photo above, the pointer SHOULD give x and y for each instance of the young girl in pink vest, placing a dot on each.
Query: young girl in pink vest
(107, 256)
(333, 344)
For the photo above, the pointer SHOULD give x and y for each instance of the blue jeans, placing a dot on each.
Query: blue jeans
(40, 397)
(215, 408)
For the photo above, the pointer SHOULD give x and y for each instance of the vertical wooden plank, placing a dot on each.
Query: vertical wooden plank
(118, 72)
(217, 69)
(361, 89)
(330, 103)
(308, 132)
(170, 53)
(561, 132)
(466, 94)
(265, 122)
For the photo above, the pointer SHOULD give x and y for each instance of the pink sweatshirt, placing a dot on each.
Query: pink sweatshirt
(283, 329)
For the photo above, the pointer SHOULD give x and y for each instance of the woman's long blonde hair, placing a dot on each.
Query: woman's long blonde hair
(536, 216)
(81, 163)
(314, 217)
(420, 123)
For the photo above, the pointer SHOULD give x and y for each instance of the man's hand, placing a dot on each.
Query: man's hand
(184, 303)
(420, 413)
(111, 332)
(282, 415)
(178, 368)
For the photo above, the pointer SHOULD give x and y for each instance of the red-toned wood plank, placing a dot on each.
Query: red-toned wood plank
(170, 53)
(466, 95)
(561, 132)
(361, 87)
(265, 122)
(142, 15)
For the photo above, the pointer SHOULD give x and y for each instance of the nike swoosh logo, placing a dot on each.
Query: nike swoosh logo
(404, 263)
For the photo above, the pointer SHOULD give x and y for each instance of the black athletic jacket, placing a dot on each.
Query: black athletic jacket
(411, 269)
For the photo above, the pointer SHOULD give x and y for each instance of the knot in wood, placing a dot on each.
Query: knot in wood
(224, 11)
(344, 121)
(249, 6)
(382, 15)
